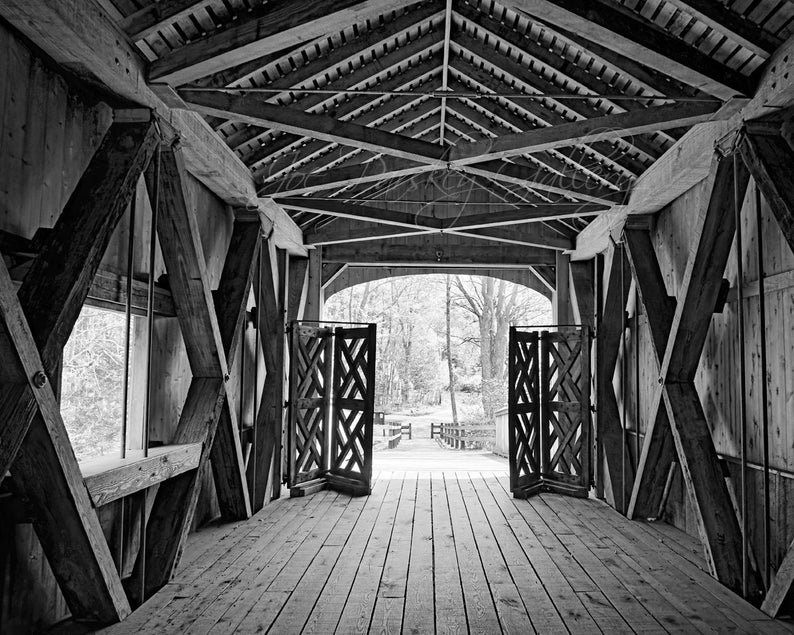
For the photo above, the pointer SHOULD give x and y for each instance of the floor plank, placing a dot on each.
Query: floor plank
(443, 551)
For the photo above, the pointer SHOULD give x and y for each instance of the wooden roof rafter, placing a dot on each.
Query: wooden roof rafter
(343, 66)
(380, 69)
(545, 57)
(522, 80)
(376, 112)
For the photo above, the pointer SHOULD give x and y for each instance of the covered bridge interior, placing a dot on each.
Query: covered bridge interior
(210, 170)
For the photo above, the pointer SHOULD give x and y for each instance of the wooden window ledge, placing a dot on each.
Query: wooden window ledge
(110, 478)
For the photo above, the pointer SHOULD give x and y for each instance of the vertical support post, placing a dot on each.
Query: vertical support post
(563, 312)
(314, 290)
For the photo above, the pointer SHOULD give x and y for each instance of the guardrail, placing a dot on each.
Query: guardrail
(390, 432)
(456, 437)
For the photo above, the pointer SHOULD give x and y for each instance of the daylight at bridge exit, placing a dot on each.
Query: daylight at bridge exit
(380, 316)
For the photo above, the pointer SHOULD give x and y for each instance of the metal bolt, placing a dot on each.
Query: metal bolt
(39, 379)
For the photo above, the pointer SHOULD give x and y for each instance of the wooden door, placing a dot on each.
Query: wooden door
(309, 402)
(549, 411)
(524, 412)
(353, 409)
(331, 407)
(565, 411)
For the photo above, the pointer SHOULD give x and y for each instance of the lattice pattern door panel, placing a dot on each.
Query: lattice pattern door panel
(565, 378)
(310, 395)
(549, 411)
(524, 411)
(353, 407)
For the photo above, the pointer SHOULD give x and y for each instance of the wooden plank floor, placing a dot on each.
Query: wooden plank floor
(446, 552)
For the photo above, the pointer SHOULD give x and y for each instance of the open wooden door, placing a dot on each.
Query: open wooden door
(331, 408)
(549, 411)
(353, 409)
(309, 402)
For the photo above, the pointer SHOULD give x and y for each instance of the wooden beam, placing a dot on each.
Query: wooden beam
(781, 592)
(609, 428)
(700, 285)
(534, 235)
(274, 29)
(713, 509)
(436, 251)
(296, 297)
(175, 501)
(652, 119)
(111, 478)
(47, 476)
(583, 293)
(314, 285)
(150, 19)
(689, 161)
(769, 159)
(84, 40)
(384, 168)
(58, 281)
(331, 271)
(615, 27)
(270, 315)
(249, 109)
(563, 310)
(738, 28)
(353, 275)
(350, 210)
(231, 298)
(658, 451)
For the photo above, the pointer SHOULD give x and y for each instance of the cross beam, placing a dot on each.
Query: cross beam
(38, 321)
(688, 326)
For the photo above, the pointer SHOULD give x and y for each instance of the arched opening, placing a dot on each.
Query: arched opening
(441, 364)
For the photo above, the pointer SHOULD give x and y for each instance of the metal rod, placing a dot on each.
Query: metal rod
(742, 367)
(764, 388)
(450, 94)
(142, 547)
(589, 207)
(636, 377)
(253, 457)
(155, 197)
(623, 389)
(127, 326)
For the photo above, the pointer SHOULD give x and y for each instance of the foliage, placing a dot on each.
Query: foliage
(92, 383)
(411, 357)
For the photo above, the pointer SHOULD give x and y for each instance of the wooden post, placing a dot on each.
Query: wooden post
(563, 310)
(608, 423)
(314, 288)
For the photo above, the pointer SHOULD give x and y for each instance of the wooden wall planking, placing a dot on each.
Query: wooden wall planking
(717, 376)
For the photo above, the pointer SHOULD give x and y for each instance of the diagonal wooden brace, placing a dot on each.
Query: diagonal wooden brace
(687, 327)
(33, 440)
(269, 415)
(175, 501)
(230, 303)
(608, 422)
(46, 470)
(769, 159)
